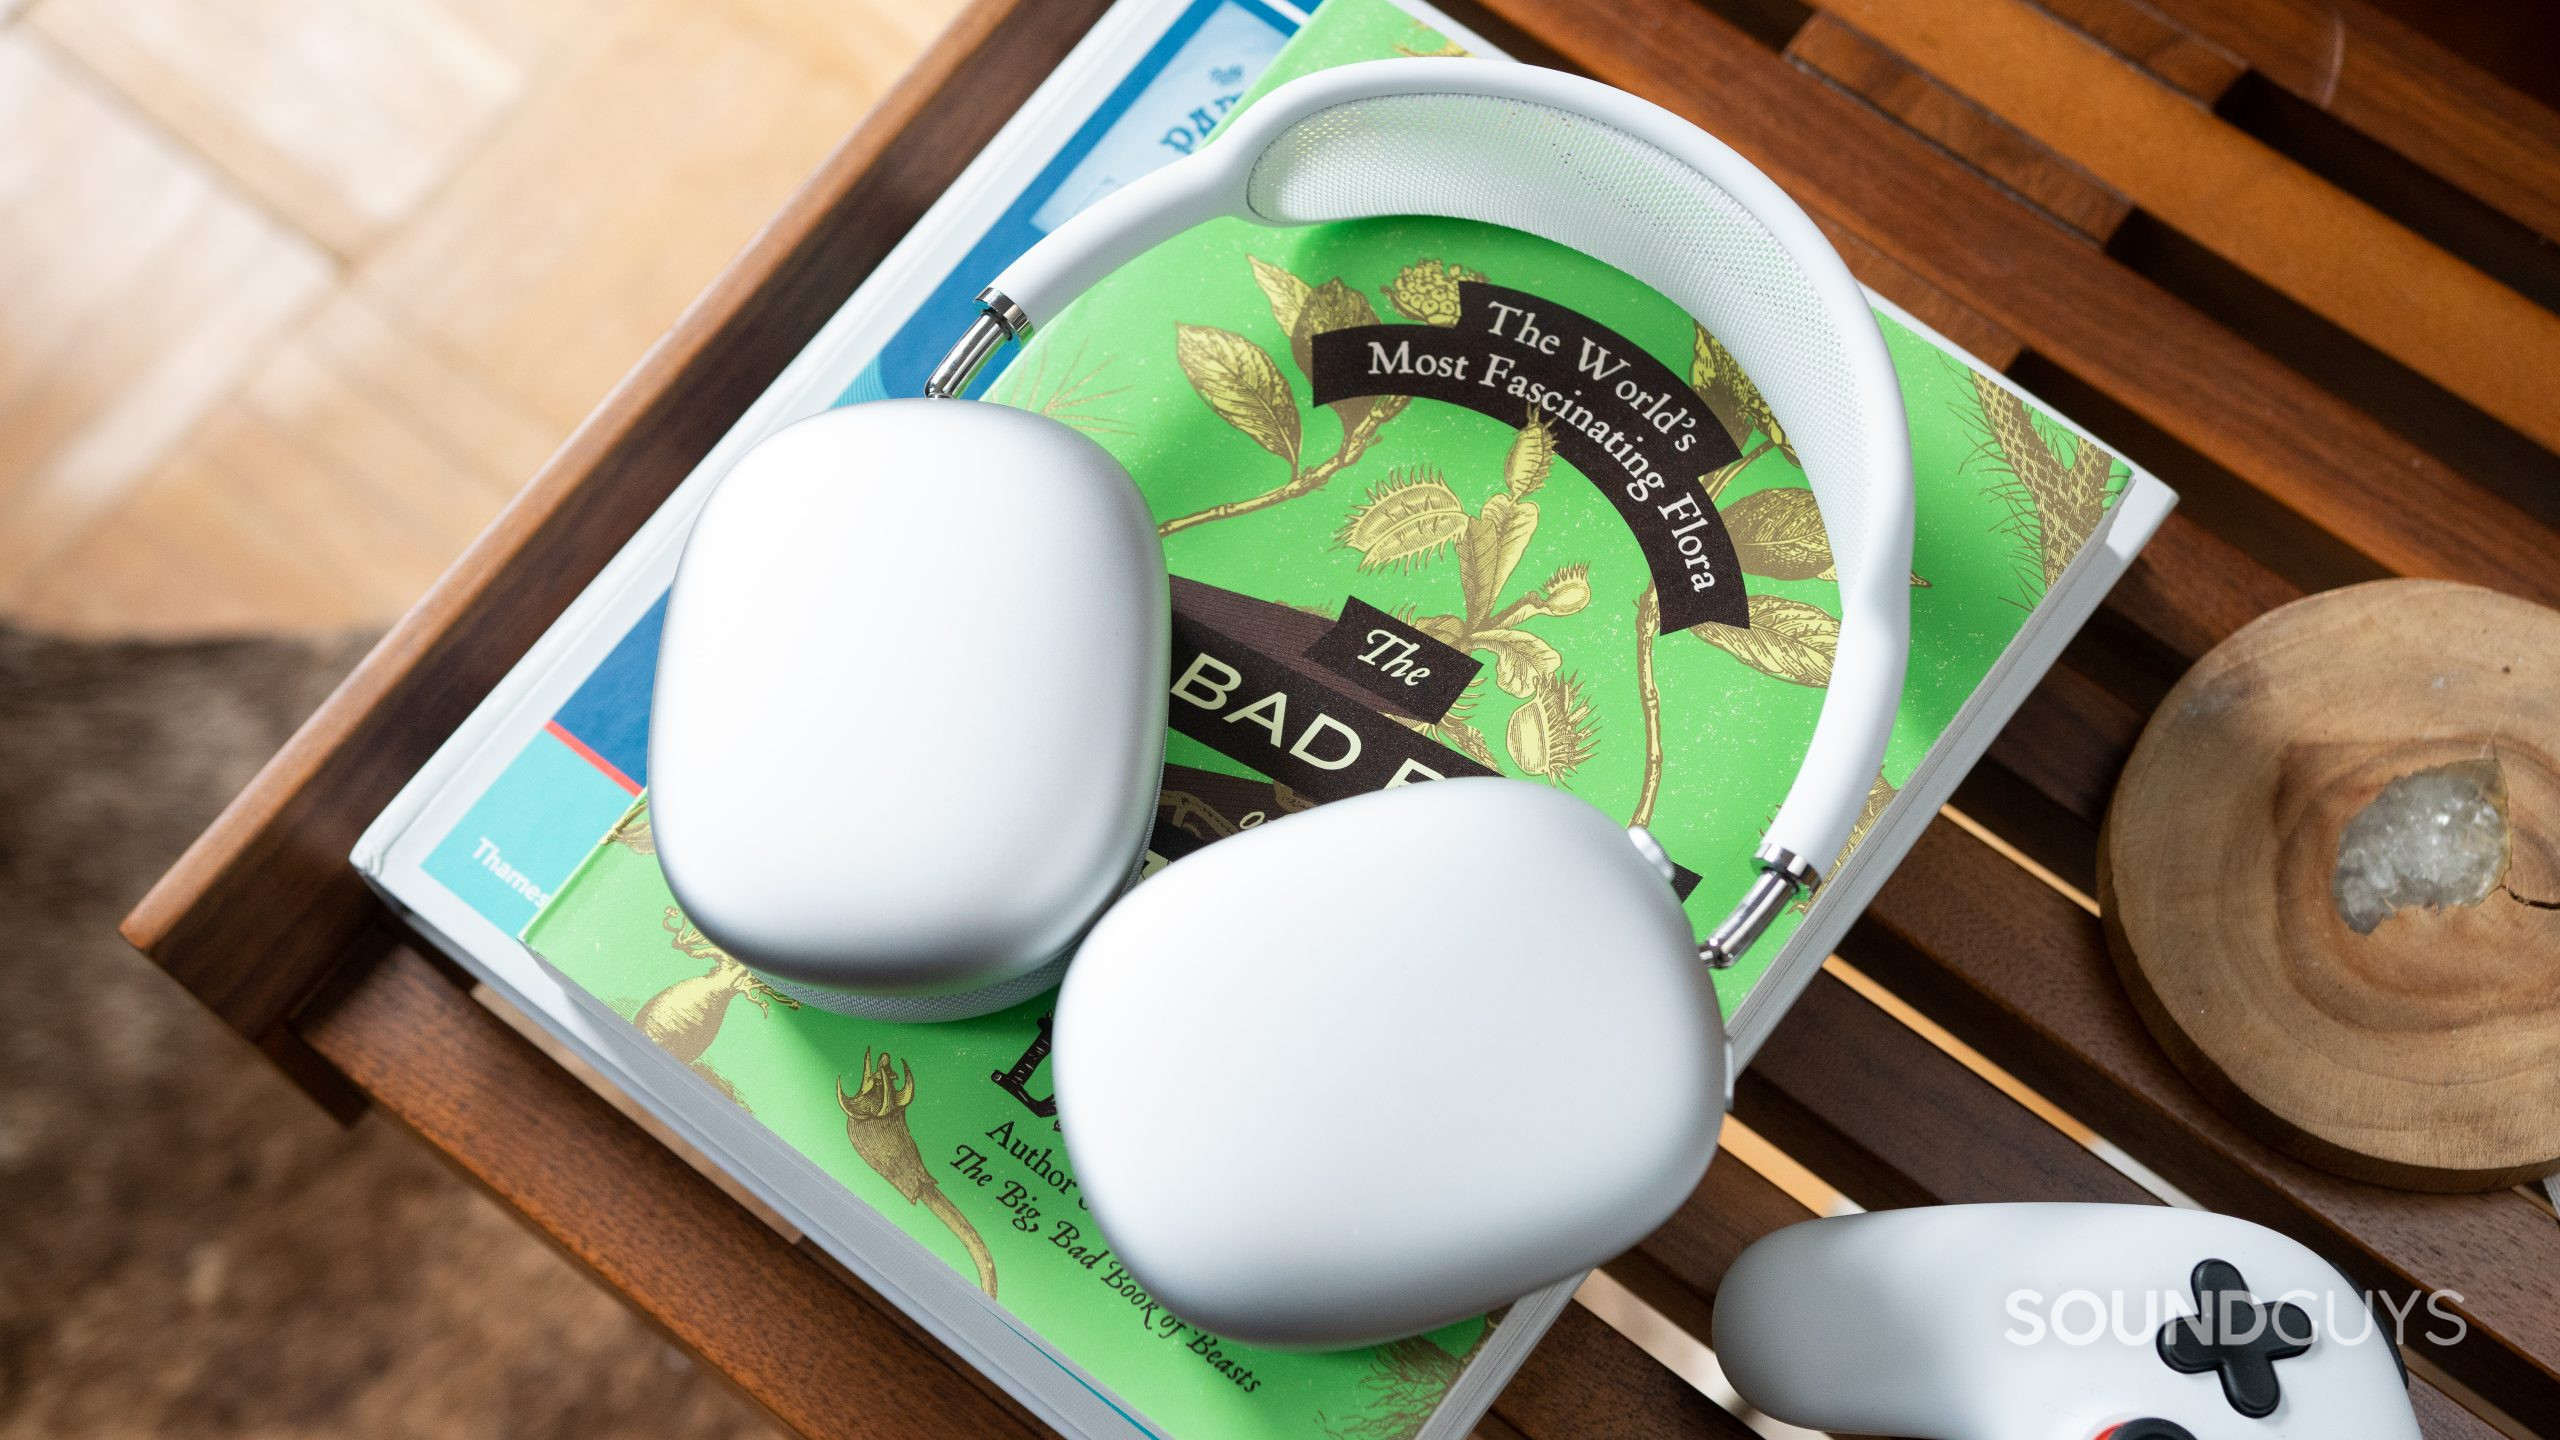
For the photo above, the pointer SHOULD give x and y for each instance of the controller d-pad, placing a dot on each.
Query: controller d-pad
(2233, 1334)
(2148, 1429)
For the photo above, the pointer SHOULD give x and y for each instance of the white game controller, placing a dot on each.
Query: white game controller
(2057, 1322)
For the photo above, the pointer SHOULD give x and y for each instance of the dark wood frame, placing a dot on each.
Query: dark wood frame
(2294, 479)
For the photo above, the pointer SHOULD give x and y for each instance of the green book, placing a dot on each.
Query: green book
(1384, 572)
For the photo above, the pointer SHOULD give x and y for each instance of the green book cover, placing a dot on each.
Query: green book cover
(1437, 570)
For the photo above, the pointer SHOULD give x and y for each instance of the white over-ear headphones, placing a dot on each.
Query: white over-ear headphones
(958, 866)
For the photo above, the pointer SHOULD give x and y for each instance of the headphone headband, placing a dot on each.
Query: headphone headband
(1626, 182)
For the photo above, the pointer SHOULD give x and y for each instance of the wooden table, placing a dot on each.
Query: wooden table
(2286, 253)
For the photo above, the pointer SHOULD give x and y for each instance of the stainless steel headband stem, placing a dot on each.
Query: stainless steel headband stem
(1784, 876)
(999, 320)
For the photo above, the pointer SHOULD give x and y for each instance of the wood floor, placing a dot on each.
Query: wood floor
(294, 293)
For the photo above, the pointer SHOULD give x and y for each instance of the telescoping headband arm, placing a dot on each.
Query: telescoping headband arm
(1630, 184)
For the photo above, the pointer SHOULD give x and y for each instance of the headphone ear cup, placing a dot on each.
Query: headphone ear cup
(909, 714)
(1388, 1063)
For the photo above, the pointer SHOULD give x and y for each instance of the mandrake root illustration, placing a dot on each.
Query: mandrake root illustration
(685, 1017)
(875, 1121)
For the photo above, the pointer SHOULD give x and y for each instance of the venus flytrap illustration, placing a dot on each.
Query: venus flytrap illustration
(1414, 518)
(1454, 728)
(1551, 735)
(1409, 519)
(875, 1122)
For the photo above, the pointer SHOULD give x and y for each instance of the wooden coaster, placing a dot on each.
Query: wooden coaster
(2423, 1052)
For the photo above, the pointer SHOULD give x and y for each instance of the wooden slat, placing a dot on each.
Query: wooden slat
(2190, 589)
(2197, 67)
(2401, 88)
(1992, 145)
(2441, 1418)
(2151, 352)
(261, 907)
(1888, 1118)
(825, 1359)
(1585, 1381)
(2021, 973)
(2311, 241)
(2069, 740)
(1732, 1208)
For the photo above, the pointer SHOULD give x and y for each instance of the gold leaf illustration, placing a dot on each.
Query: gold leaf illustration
(1730, 396)
(1334, 306)
(1551, 736)
(1249, 392)
(1520, 659)
(1407, 520)
(1286, 292)
(1778, 533)
(1494, 542)
(1449, 630)
(1533, 453)
(1329, 306)
(1241, 384)
(1427, 290)
(1788, 640)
